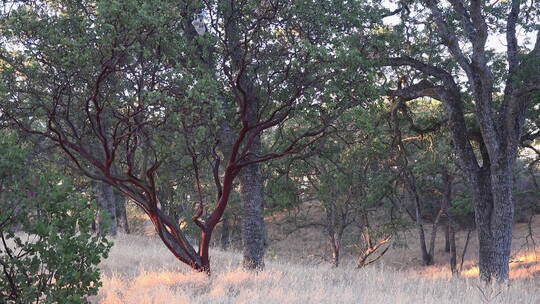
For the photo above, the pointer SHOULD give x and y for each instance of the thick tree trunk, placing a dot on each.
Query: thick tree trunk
(494, 214)
(491, 185)
(106, 201)
(251, 195)
(250, 176)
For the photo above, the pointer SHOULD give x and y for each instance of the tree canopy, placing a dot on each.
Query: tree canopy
(172, 102)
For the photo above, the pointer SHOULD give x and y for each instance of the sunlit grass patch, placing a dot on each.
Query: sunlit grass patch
(140, 271)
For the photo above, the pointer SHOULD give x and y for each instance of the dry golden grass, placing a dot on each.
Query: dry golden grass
(141, 270)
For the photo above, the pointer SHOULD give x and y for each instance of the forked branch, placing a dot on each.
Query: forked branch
(364, 258)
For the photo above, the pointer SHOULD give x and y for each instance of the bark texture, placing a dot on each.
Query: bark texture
(106, 201)
(494, 215)
(500, 127)
(250, 175)
(251, 195)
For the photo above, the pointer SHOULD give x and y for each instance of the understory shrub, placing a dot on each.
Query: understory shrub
(48, 253)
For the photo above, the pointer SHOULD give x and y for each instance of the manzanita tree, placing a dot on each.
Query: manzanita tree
(113, 83)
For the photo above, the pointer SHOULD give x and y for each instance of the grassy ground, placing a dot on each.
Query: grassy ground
(140, 270)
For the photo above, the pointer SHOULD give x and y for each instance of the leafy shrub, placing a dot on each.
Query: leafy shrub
(47, 251)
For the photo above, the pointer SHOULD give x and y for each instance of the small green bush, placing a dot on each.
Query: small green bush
(48, 253)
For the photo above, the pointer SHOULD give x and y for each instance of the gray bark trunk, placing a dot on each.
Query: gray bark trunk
(500, 127)
(251, 195)
(494, 220)
(106, 201)
(250, 176)
(494, 214)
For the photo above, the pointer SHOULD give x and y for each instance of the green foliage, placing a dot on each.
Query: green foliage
(281, 193)
(462, 205)
(48, 253)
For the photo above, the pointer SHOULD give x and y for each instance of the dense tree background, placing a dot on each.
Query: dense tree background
(382, 118)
